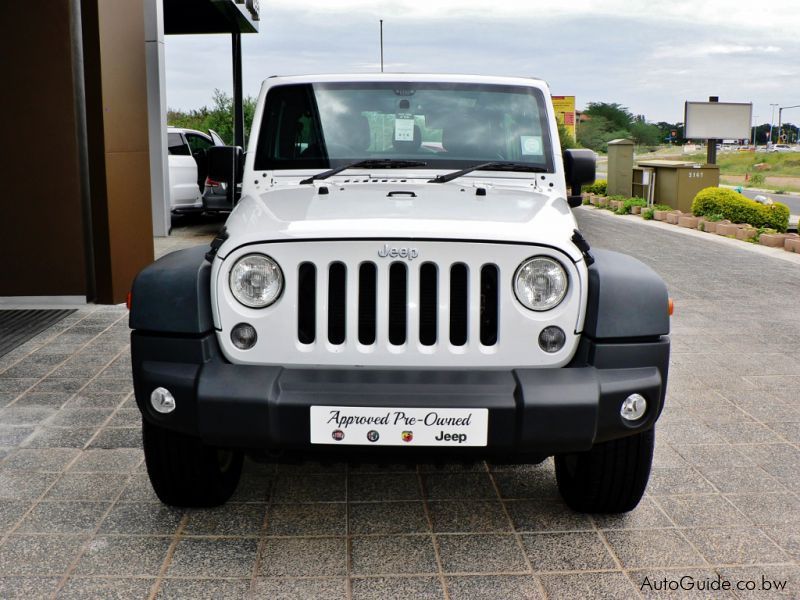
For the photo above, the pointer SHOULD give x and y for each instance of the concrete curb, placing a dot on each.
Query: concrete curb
(778, 253)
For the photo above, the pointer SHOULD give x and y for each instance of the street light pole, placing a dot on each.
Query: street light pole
(381, 45)
(771, 123)
(780, 114)
(755, 124)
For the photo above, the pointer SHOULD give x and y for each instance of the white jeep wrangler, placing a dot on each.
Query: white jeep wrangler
(401, 276)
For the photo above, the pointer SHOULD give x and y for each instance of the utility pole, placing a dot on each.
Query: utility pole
(381, 45)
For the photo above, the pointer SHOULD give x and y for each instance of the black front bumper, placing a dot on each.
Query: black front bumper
(531, 411)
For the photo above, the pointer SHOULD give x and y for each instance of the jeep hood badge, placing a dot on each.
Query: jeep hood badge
(392, 252)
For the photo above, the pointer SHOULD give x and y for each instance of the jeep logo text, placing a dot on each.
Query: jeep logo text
(409, 253)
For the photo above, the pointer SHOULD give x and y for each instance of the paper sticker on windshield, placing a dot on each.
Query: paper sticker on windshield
(404, 128)
(531, 144)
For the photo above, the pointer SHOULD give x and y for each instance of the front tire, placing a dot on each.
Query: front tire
(609, 478)
(186, 472)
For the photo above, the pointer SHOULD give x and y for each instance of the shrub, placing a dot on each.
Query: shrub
(757, 179)
(629, 203)
(599, 187)
(662, 207)
(730, 205)
(647, 214)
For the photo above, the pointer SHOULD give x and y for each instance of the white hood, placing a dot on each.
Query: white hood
(375, 210)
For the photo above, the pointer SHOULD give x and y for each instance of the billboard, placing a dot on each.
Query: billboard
(564, 107)
(717, 120)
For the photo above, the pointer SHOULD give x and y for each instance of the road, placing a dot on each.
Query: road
(78, 517)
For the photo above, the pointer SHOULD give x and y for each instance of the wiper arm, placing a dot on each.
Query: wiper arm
(373, 163)
(488, 166)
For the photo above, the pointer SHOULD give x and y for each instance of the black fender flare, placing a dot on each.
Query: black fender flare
(173, 294)
(626, 299)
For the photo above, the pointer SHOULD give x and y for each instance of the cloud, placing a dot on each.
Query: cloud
(648, 60)
(694, 50)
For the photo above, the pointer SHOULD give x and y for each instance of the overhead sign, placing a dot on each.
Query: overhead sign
(564, 107)
(717, 120)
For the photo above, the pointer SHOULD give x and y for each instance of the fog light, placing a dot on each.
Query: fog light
(552, 339)
(244, 336)
(162, 400)
(633, 407)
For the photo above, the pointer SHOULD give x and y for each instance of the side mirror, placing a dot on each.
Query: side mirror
(579, 169)
(226, 164)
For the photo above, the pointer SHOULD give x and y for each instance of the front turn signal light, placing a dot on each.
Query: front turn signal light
(671, 305)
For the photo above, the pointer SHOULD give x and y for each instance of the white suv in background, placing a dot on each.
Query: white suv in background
(188, 166)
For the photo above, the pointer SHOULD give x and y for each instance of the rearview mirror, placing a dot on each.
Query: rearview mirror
(225, 164)
(579, 170)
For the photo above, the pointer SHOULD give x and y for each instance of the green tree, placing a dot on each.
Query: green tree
(565, 137)
(619, 117)
(218, 117)
(644, 133)
(596, 132)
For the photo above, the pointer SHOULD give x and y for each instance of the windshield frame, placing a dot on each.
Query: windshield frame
(436, 162)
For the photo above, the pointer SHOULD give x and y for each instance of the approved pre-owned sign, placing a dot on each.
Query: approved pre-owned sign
(360, 425)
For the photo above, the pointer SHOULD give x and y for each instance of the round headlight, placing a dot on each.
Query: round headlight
(540, 283)
(256, 280)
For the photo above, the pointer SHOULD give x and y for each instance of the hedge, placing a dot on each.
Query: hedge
(599, 187)
(739, 209)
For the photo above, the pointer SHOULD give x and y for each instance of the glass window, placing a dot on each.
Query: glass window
(447, 125)
(176, 145)
(198, 142)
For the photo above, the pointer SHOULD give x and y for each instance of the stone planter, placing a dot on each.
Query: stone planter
(672, 217)
(792, 244)
(593, 199)
(773, 240)
(727, 228)
(746, 233)
(711, 226)
(636, 210)
(615, 204)
(688, 221)
(660, 215)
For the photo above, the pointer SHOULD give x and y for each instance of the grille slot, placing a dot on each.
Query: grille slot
(428, 303)
(367, 303)
(398, 301)
(489, 305)
(306, 303)
(337, 281)
(459, 303)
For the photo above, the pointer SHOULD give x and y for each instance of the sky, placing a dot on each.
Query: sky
(647, 55)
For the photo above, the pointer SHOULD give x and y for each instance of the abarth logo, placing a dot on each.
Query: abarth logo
(392, 252)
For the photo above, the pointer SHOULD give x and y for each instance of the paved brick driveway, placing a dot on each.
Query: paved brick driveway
(78, 519)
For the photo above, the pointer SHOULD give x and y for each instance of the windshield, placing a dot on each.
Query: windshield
(446, 125)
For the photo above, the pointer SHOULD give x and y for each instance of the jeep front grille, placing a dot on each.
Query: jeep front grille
(404, 289)
(346, 304)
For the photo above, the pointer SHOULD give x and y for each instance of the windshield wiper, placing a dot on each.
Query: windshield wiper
(488, 166)
(374, 163)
